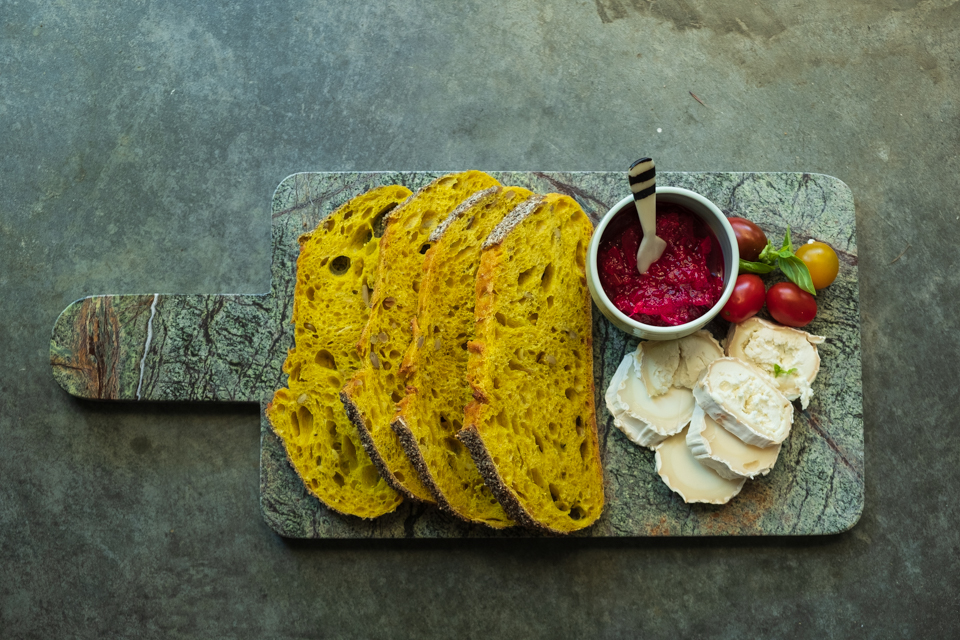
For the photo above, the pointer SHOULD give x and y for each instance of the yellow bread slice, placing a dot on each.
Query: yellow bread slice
(532, 426)
(435, 364)
(371, 396)
(336, 266)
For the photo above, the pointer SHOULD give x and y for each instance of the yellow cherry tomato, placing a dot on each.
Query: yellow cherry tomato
(822, 262)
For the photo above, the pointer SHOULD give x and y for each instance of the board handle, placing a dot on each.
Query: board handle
(171, 347)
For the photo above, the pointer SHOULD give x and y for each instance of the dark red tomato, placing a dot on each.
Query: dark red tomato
(746, 300)
(750, 238)
(791, 305)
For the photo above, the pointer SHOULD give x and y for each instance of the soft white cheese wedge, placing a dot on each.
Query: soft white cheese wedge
(696, 351)
(684, 474)
(776, 350)
(732, 458)
(659, 363)
(645, 420)
(744, 401)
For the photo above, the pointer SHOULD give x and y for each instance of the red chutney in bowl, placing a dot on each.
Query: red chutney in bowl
(678, 288)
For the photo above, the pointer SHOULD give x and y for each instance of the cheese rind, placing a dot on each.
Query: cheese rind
(745, 402)
(688, 478)
(767, 346)
(643, 419)
(730, 457)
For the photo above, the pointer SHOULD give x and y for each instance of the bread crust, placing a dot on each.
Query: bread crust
(368, 445)
(470, 437)
(512, 219)
(409, 444)
(467, 204)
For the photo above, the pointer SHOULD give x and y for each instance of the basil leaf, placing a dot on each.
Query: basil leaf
(787, 245)
(780, 371)
(794, 268)
(755, 267)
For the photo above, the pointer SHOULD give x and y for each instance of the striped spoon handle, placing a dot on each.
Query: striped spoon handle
(643, 184)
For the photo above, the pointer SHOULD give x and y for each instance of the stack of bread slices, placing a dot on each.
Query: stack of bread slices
(444, 355)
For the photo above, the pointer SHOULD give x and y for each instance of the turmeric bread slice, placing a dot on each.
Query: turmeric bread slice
(335, 272)
(435, 364)
(532, 426)
(371, 396)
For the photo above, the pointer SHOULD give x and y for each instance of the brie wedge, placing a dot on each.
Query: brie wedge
(745, 402)
(685, 476)
(715, 447)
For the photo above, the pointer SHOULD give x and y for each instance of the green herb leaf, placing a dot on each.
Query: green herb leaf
(755, 267)
(779, 371)
(794, 268)
(791, 266)
(787, 245)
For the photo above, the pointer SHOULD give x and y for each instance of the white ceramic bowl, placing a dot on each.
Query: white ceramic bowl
(714, 218)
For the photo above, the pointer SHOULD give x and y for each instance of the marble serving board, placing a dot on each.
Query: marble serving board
(160, 347)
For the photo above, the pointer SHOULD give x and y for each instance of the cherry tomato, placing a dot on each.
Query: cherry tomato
(746, 299)
(750, 238)
(791, 305)
(822, 262)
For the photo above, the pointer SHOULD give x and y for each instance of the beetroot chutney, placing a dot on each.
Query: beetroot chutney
(678, 288)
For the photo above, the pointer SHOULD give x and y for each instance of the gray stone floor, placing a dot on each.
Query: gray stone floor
(140, 143)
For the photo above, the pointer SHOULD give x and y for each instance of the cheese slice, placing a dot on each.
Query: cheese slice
(745, 402)
(787, 355)
(643, 419)
(697, 350)
(610, 396)
(659, 363)
(684, 474)
(676, 363)
(728, 455)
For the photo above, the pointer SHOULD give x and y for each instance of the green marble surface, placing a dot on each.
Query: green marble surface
(231, 348)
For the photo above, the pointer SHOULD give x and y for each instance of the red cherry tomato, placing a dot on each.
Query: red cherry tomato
(750, 238)
(791, 305)
(746, 300)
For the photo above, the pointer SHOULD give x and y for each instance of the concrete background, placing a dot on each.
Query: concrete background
(139, 148)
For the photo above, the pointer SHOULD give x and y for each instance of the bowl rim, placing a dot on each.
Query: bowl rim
(687, 326)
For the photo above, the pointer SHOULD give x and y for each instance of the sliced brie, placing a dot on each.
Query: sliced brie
(777, 350)
(696, 351)
(744, 401)
(728, 455)
(643, 419)
(684, 474)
